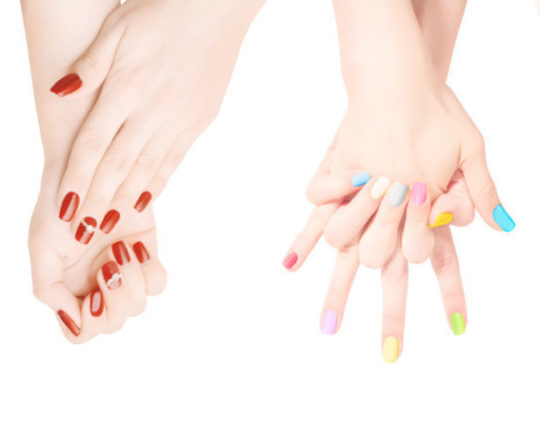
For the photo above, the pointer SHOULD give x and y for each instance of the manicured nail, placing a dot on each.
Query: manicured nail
(109, 221)
(418, 193)
(398, 193)
(360, 179)
(86, 230)
(502, 218)
(457, 323)
(329, 322)
(379, 188)
(390, 350)
(140, 252)
(443, 219)
(111, 275)
(70, 324)
(120, 252)
(290, 260)
(143, 201)
(67, 85)
(69, 206)
(96, 303)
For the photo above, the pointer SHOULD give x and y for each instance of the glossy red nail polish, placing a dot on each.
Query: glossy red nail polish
(111, 275)
(290, 260)
(96, 303)
(70, 324)
(143, 201)
(67, 85)
(86, 230)
(109, 221)
(140, 252)
(69, 206)
(120, 252)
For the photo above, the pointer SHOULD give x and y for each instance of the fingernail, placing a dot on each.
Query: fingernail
(329, 322)
(390, 350)
(290, 260)
(418, 193)
(502, 218)
(96, 303)
(360, 179)
(398, 193)
(140, 252)
(120, 252)
(67, 85)
(457, 323)
(69, 206)
(143, 201)
(86, 230)
(111, 275)
(380, 187)
(70, 324)
(109, 221)
(443, 219)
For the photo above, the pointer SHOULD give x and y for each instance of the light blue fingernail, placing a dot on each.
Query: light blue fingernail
(502, 218)
(397, 194)
(360, 179)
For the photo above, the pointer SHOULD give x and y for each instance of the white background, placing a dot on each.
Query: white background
(231, 351)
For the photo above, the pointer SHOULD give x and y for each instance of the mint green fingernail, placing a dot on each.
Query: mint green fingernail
(457, 322)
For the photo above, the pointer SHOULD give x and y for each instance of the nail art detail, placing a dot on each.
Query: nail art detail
(457, 323)
(290, 260)
(69, 206)
(360, 179)
(111, 275)
(418, 193)
(390, 350)
(86, 230)
(443, 219)
(70, 324)
(120, 252)
(379, 188)
(96, 303)
(109, 221)
(143, 201)
(67, 85)
(502, 218)
(140, 252)
(398, 193)
(329, 322)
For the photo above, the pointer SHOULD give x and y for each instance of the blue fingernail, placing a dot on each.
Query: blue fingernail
(503, 219)
(360, 179)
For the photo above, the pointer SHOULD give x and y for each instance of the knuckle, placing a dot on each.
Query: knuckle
(118, 160)
(445, 264)
(90, 140)
(146, 161)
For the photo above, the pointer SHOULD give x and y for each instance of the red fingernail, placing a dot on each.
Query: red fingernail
(86, 230)
(143, 201)
(290, 260)
(140, 252)
(67, 85)
(96, 303)
(70, 324)
(120, 252)
(69, 206)
(109, 221)
(111, 275)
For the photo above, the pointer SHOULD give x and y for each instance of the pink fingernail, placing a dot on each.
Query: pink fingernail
(329, 322)
(290, 260)
(418, 194)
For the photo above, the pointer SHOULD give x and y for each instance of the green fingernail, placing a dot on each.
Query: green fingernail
(457, 322)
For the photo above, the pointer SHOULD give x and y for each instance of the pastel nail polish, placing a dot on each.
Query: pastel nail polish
(329, 322)
(96, 303)
(360, 179)
(111, 275)
(443, 219)
(457, 323)
(502, 218)
(69, 206)
(390, 350)
(86, 230)
(109, 221)
(140, 252)
(379, 188)
(398, 193)
(143, 201)
(70, 324)
(290, 260)
(418, 193)
(67, 85)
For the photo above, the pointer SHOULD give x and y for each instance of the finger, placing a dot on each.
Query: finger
(327, 187)
(445, 264)
(455, 206)
(94, 315)
(417, 240)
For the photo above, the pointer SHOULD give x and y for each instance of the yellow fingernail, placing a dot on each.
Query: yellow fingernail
(443, 219)
(390, 350)
(379, 188)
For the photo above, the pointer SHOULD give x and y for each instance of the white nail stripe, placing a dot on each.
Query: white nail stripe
(115, 278)
(88, 227)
